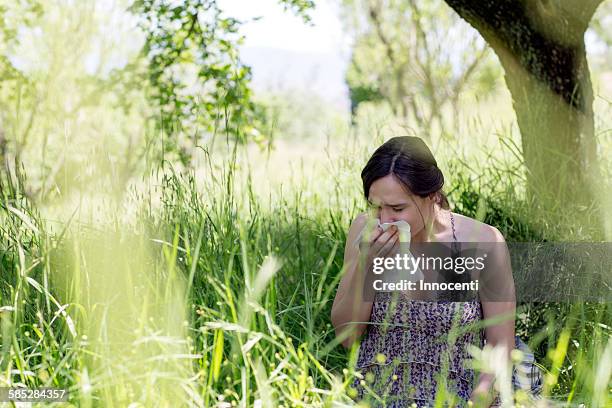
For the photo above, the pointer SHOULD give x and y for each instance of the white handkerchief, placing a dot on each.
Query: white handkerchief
(405, 238)
(402, 226)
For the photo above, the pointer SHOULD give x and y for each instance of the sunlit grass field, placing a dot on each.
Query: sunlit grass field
(213, 286)
(132, 281)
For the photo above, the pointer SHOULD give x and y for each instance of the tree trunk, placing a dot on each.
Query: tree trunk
(541, 48)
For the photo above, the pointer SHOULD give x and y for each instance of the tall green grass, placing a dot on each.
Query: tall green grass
(217, 297)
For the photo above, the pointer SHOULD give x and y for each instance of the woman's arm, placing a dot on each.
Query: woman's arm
(349, 305)
(350, 313)
(498, 304)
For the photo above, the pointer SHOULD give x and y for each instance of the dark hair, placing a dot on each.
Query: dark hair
(409, 159)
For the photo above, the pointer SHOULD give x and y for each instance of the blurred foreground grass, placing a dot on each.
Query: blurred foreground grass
(215, 288)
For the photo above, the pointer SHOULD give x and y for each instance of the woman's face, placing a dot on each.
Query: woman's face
(390, 202)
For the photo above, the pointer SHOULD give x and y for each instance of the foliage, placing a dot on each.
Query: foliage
(299, 7)
(12, 80)
(197, 81)
(400, 56)
(197, 78)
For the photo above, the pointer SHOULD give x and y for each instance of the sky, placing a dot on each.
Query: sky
(285, 52)
(279, 28)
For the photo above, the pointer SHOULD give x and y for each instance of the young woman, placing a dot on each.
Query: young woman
(402, 362)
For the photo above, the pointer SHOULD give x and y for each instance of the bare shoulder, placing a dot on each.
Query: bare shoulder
(471, 230)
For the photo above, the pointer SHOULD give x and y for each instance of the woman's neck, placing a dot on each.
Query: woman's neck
(434, 226)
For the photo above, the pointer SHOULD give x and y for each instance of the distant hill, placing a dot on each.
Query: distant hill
(278, 69)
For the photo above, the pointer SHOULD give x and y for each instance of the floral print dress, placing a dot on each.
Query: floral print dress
(414, 351)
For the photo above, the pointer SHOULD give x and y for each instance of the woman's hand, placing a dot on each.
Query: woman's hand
(381, 243)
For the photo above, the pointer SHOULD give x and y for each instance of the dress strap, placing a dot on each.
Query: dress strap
(453, 226)
(454, 245)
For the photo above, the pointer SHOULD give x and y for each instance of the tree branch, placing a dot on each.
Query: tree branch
(546, 42)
